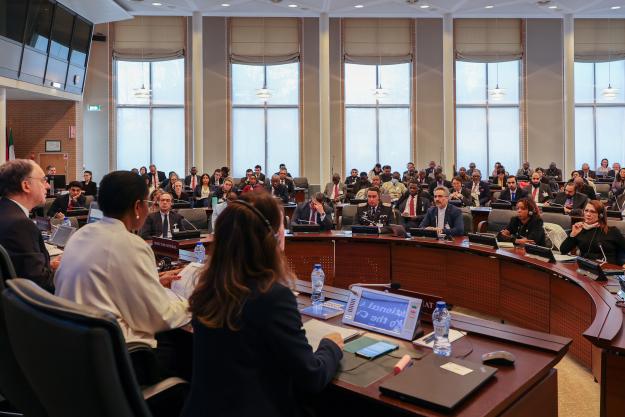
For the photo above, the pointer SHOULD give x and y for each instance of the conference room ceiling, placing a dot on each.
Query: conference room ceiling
(376, 8)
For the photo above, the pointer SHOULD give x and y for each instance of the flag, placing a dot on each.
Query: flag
(10, 147)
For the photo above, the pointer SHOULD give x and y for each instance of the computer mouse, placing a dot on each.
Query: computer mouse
(498, 357)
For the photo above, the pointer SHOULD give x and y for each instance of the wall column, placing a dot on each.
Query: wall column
(449, 151)
(325, 164)
(197, 89)
(569, 93)
(3, 124)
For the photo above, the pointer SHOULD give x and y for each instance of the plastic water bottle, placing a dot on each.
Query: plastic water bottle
(441, 320)
(66, 222)
(317, 277)
(200, 252)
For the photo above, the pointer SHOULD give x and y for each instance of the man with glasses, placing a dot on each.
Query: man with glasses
(164, 222)
(443, 217)
(512, 193)
(23, 186)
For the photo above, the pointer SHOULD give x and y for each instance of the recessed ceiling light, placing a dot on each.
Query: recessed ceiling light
(615, 7)
(225, 5)
(489, 7)
(293, 5)
(553, 7)
(425, 6)
(359, 6)
(157, 4)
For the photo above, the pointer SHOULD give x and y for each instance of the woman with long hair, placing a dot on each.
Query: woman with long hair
(526, 226)
(202, 192)
(593, 237)
(251, 355)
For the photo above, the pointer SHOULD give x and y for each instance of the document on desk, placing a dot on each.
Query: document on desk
(53, 250)
(316, 330)
(428, 339)
(188, 279)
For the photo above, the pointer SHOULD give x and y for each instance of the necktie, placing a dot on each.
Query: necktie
(165, 226)
(313, 215)
(534, 193)
(476, 188)
(193, 182)
(155, 178)
(411, 206)
(336, 190)
(512, 196)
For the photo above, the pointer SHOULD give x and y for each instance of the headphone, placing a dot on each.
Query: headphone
(260, 215)
(601, 215)
(530, 213)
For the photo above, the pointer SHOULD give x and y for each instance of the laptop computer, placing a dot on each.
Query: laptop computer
(438, 382)
(61, 236)
(95, 214)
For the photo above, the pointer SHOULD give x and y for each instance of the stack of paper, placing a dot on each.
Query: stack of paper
(316, 330)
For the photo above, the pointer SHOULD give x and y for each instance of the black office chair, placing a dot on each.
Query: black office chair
(75, 357)
(13, 384)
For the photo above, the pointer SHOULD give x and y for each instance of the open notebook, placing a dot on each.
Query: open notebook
(316, 330)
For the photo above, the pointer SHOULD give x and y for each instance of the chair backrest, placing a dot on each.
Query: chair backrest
(603, 189)
(88, 200)
(620, 253)
(74, 356)
(196, 216)
(563, 220)
(47, 205)
(499, 219)
(301, 182)
(467, 219)
(348, 216)
(13, 383)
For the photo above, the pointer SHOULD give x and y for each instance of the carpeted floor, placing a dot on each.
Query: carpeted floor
(578, 393)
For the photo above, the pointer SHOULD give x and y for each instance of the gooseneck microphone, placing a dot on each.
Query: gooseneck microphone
(390, 285)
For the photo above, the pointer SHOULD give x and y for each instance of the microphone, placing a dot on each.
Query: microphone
(555, 205)
(503, 201)
(605, 258)
(303, 221)
(390, 285)
(194, 228)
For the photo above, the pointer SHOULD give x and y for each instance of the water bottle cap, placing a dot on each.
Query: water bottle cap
(441, 304)
(318, 266)
(199, 244)
(65, 218)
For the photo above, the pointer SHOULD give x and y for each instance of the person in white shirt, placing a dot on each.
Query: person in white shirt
(106, 266)
(231, 196)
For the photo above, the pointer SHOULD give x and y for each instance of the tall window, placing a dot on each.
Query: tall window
(150, 114)
(265, 132)
(487, 124)
(377, 130)
(599, 117)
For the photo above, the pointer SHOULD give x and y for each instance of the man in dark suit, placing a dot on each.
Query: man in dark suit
(278, 190)
(616, 168)
(373, 212)
(572, 201)
(478, 188)
(23, 187)
(444, 217)
(554, 172)
(586, 172)
(191, 181)
(258, 172)
(412, 205)
(457, 192)
(538, 190)
(512, 193)
(429, 171)
(164, 222)
(583, 187)
(351, 180)
(283, 167)
(156, 177)
(439, 181)
(67, 202)
(216, 180)
(313, 212)
(286, 180)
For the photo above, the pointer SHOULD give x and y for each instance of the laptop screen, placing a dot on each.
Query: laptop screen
(62, 235)
(95, 214)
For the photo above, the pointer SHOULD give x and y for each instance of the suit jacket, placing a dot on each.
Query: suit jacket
(60, 204)
(589, 191)
(467, 200)
(579, 200)
(544, 192)
(454, 224)
(434, 184)
(153, 225)
(422, 203)
(22, 240)
(280, 192)
(263, 365)
(555, 173)
(187, 180)
(90, 189)
(383, 214)
(518, 194)
(495, 181)
(524, 172)
(290, 186)
(302, 212)
(330, 189)
(484, 191)
(260, 178)
(591, 174)
(161, 177)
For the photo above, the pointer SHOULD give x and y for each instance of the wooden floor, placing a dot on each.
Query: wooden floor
(578, 393)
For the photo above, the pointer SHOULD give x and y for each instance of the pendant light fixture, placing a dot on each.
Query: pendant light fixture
(497, 93)
(264, 94)
(379, 93)
(609, 93)
(142, 93)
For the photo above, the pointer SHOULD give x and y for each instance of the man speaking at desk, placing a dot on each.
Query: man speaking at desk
(374, 212)
(68, 202)
(443, 217)
(313, 212)
(164, 222)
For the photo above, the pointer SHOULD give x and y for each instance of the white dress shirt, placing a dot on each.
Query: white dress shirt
(440, 217)
(107, 267)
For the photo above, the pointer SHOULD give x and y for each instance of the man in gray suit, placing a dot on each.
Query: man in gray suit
(335, 190)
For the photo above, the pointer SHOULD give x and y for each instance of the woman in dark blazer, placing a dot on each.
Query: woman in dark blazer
(251, 356)
(593, 237)
(88, 186)
(202, 192)
(526, 226)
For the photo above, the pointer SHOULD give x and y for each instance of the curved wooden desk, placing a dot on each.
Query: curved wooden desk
(527, 292)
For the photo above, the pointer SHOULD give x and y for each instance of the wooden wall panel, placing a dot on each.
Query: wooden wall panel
(473, 281)
(303, 255)
(524, 296)
(362, 262)
(420, 269)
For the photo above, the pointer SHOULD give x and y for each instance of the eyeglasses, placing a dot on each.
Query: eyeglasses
(590, 211)
(43, 180)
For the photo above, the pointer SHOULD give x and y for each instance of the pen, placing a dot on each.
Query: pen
(430, 338)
